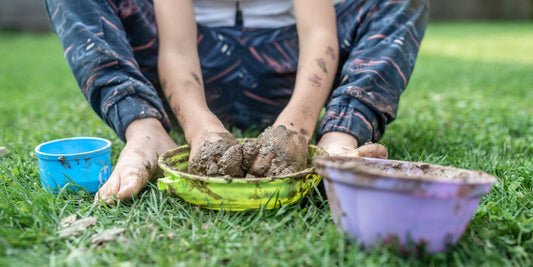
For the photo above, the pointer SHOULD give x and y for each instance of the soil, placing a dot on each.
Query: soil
(250, 148)
(281, 152)
(206, 160)
(278, 151)
(373, 150)
(416, 170)
(231, 162)
(224, 157)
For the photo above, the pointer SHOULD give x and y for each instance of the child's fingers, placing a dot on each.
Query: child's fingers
(371, 151)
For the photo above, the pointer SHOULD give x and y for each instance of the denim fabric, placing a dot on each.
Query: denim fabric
(249, 73)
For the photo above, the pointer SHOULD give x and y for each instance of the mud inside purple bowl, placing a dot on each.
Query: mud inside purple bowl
(409, 203)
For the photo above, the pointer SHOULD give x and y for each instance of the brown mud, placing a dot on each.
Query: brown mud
(277, 151)
(408, 170)
(206, 161)
(281, 152)
(372, 150)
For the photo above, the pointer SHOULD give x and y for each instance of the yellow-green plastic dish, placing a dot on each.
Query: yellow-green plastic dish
(234, 194)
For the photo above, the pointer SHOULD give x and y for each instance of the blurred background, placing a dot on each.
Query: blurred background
(29, 15)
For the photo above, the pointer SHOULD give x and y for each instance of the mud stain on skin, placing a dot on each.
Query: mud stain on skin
(315, 80)
(322, 64)
(306, 112)
(187, 85)
(163, 84)
(148, 166)
(331, 52)
(177, 112)
(196, 78)
(140, 153)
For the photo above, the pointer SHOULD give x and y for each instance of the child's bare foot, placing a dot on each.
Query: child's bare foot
(137, 163)
(343, 144)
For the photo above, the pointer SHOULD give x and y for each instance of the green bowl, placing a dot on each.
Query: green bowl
(234, 194)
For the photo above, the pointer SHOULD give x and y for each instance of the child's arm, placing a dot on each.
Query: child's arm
(380, 59)
(317, 65)
(179, 70)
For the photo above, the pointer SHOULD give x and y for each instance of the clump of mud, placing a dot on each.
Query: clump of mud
(409, 170)
(219, 158)
(281, 152)
(277, 151)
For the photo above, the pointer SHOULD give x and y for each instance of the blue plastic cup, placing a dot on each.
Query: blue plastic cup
(74, 163)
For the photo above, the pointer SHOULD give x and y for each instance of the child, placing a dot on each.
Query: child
(255, 63)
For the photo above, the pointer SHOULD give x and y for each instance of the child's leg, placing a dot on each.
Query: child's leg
(379, 41)
(111, 47)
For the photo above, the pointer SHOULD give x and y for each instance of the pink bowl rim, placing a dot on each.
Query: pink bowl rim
(340, 163)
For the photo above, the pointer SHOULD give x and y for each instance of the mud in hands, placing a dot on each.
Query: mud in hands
(281, 152)
(277, 151)
(220, 154)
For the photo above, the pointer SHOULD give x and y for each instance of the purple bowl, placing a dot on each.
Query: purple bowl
(411, 203)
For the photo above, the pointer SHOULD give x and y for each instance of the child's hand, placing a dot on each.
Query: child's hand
(216, 154)
(281, 152)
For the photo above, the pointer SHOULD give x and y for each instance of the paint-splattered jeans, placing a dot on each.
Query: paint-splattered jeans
(249, 74)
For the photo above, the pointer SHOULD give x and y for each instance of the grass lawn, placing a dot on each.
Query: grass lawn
(469, 104)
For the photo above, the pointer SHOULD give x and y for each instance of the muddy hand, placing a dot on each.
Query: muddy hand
(281, 152)
(216, 154)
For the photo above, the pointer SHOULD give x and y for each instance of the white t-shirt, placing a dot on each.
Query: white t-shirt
(255, 13)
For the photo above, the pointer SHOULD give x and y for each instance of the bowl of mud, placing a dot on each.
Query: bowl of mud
(234, 194)
(410, 204)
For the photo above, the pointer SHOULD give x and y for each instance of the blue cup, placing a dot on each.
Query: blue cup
(74, 163)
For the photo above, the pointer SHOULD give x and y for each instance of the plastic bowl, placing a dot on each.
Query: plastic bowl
(234, 194)
(74, 163)
(409, 203)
